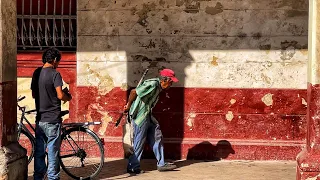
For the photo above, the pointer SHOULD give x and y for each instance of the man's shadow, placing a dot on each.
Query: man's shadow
(205, 151)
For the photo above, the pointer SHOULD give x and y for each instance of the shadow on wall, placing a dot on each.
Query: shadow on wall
(208, 152)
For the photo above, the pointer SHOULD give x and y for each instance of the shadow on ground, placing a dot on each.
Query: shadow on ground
(204, 151)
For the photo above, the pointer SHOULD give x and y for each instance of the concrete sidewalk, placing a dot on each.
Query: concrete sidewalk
(192, 170)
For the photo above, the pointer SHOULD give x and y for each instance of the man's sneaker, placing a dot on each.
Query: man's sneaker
(167, 167)
(136, 171)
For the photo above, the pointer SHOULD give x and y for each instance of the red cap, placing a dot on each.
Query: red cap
(169, 73)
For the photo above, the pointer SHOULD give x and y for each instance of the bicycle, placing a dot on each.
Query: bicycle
(73, 157)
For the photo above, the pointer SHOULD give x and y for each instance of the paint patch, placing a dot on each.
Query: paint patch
(104, 82)
(229, 116)
(214, 10)
(105, 119)
(267, 99)
(190, 119)
(304, 102)
(214, 61)
(232, 101)
(313, 178)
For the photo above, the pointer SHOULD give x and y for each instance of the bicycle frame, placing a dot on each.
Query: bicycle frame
(22, 126)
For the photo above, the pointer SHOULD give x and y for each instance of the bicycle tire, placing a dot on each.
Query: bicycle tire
(101, 149)
(30, 139)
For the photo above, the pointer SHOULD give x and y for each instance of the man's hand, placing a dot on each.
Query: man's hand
(126, 109)
(64, 94)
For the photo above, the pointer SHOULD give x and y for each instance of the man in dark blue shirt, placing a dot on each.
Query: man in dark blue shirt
(47, 91)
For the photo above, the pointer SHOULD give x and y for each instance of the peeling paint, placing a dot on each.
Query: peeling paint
(105, 120)
(304, 102)
(232, 101)
(314, 178)
(229, 116)
(190, 120)
(104, 83)
(267, 99)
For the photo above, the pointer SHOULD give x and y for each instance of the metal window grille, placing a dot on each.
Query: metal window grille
(46, 23)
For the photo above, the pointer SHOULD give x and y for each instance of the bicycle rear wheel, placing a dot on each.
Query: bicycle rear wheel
(81, 153)
(26, 141)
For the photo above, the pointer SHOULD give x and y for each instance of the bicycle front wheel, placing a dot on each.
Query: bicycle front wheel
(81, 153)
(27, 141)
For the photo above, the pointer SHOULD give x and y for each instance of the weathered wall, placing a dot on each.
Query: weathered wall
(242, 67)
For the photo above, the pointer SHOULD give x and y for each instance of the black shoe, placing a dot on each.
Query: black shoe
(136, 171)
(167, 167)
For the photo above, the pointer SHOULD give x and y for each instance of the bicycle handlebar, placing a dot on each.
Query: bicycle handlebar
(80, 124)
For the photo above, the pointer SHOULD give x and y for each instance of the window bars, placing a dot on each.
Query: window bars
(46, 23)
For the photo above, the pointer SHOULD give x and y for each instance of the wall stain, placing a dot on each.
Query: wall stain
(265, 78)
(242, 35)
(294, 4)
(294, 13)
(288, 49)
(165, 18)
(143, 13)
(148, 46)
(179, 3)
(265, 47)
(162, 3)
(214, 61)
(192, 7)
(149, 31)
(133, 10)
(214, 10)
(256, 36)
(140, 58)
(143, 58)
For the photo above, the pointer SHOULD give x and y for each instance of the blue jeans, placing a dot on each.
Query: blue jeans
(151, 132)
(48, 135)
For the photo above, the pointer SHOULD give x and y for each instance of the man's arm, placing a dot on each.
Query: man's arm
(133, 95)
(61, 95)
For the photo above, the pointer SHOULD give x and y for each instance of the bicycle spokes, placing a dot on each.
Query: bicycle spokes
(80, 154)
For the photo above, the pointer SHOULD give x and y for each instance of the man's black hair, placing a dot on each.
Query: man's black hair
(51, 54)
